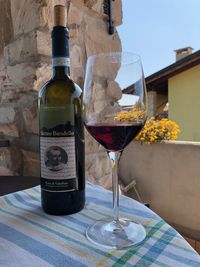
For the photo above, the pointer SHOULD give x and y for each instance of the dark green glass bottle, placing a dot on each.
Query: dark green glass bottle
(61, 132)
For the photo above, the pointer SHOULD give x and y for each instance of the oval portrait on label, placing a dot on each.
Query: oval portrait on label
(55, 158)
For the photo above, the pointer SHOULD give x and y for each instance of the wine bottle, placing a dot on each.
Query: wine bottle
(61, 130)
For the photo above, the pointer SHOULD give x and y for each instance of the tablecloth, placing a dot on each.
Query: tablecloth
(29, 237)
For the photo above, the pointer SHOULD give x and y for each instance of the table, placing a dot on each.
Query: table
(29, 237)
(10, 184)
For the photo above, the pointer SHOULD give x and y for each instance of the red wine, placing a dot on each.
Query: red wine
(114, 137)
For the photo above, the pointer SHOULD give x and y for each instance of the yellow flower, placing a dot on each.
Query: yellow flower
(137, 113)
(158, 130)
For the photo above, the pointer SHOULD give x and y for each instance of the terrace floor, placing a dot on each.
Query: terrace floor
(195, 244)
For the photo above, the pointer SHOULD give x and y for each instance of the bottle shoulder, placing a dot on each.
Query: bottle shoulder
(64, 85)
(62, 91)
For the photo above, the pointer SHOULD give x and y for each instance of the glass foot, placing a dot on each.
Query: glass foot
(115, 234)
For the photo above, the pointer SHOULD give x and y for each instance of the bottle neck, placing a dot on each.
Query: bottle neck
(60, 53)
(60, 71)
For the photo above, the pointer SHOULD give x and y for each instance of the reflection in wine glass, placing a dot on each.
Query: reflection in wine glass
(114, 107)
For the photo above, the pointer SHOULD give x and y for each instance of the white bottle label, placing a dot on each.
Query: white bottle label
(57, 148)
(58, 157)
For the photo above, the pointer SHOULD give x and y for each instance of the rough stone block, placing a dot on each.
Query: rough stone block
(29, 76)
(28, 48)
(77, 75)
(30, 14)
(43, 43)
(21, 49)
(31, 166)
(73, 31)
(16, 159)
(43, 74)
(105, 181)
(98, 6)
(97, 39)
(10, 158)
(6, 172)
(31, 119)
(5, 157)
(22, 74)
(117, 12)
(10, 93)
(7, 114)
(98, 165)
(3, 76)
(98, 175)
(6, 28)
(9, 130)
(30, 142)
(89, 177)
(91, 146)
(76, 56)
(28, 115)
(90, 3)
(75, 14)
(113, 90)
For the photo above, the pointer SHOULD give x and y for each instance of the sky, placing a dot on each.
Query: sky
(155, 28)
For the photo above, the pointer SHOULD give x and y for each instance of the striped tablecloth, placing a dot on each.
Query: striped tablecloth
(28, 237)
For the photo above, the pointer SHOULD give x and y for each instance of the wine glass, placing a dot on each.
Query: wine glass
(114, 112)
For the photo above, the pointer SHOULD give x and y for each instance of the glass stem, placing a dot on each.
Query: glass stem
(115, 183)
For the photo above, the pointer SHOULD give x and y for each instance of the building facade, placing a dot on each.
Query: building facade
(178, 85)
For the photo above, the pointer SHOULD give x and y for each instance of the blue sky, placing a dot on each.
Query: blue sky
(155, 28)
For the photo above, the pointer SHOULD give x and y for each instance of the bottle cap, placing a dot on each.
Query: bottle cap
(60, 15)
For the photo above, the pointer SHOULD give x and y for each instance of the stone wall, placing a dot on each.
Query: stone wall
(25, 63)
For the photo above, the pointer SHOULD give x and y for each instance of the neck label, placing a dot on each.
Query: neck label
(61, 62)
